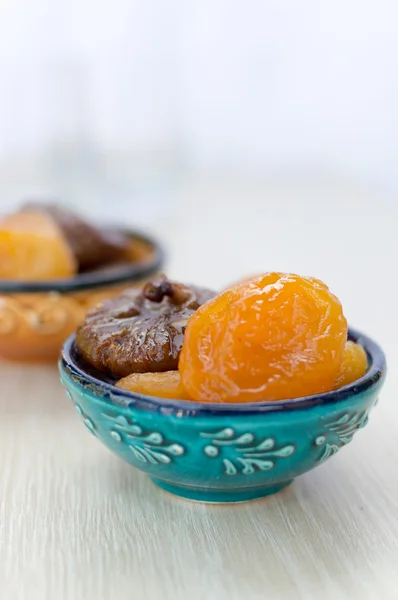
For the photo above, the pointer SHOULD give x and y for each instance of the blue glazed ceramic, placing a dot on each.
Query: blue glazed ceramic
(222, 453)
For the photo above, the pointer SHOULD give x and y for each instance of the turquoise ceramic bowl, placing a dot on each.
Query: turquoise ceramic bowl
(228, 452)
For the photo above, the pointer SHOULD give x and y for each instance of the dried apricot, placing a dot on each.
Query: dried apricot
(32, 248)
(45, 241)
(278, 336)
(353, 366)
(163, 385)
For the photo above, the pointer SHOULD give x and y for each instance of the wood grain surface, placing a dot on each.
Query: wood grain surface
(78, 524)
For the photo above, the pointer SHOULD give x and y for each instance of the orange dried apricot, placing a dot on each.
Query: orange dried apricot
(163, 385)
(278, 336)
(353, 366)
(32, 247)
(46, 241)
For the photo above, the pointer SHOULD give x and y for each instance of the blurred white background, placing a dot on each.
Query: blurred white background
(116, 101)
(247, 135)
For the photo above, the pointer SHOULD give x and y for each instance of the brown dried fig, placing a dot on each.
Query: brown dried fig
(141, 330)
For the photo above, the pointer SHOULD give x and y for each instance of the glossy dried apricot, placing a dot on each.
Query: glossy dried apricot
(353, 366)
(163, 385)
(278, 336)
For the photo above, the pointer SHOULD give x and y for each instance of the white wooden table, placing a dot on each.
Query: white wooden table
(78, 524)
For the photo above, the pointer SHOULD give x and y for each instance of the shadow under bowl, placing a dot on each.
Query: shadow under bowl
(222, 452)
(37, 317)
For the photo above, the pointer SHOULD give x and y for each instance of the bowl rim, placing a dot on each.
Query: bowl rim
(94, 279)
(118, 397)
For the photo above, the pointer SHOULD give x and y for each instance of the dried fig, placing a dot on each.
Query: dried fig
(141, 330)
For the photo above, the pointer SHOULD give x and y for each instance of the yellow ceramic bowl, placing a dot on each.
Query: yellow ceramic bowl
(37, 317)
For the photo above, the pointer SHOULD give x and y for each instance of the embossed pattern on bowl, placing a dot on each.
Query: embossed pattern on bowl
(37, 317)
(222, 453)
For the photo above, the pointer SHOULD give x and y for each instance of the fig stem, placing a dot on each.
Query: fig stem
(155, 291)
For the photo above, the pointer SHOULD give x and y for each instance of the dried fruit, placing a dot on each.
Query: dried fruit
(47, 242)
(33, 248)
(90, 245)
(353, 366)
(278, 336)
(140, 331)
(162, 385)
